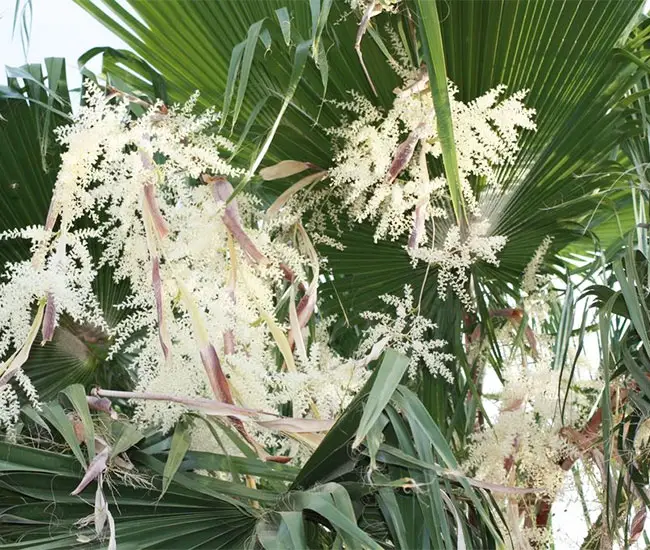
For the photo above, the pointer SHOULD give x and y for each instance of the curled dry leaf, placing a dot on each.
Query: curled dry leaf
(160, 224)
(222, 191)
(419, 218)
(49, 320)
(298, 425)
(284, 169)
(95, 468)
(212, 407)
(102, 515)
(291, 191)
(52, 216)
(296, 329)
(228, 342)
(375, 353)
(307, 303)
(221, 387)
(77, 427)
(418, 86)
(373, 9)
(404, 154)
(165, 341)
(101, 509)
(17, 360)
(218, 380)
(118, 461)
(638, 523)
(278, 459)
(101, 404)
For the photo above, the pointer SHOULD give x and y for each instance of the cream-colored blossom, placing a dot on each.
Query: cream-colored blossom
(132, 185)
(532, 280)
(457, 255)
(525, 445)
(9, 408)
(409, 333)
(381, 171)
(485, 130)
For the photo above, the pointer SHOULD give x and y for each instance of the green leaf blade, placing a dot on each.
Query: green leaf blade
(181, 441)
(390, 374)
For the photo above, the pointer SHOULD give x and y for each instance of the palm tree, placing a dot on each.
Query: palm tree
(279, 73)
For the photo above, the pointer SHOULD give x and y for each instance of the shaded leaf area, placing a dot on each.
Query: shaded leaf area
(35, 487)
(47, 504)
(400, 486)
(218, 48)
(150, 511)
(407, 460)
(34, 103)
(29, 155)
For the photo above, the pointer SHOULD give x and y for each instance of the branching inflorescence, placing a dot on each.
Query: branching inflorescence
(381, 174)
(207, 275)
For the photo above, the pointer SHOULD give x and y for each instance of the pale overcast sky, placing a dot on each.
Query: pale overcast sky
(60, 28)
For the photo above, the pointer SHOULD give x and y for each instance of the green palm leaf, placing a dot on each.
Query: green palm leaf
(35, 486)
(316, 506)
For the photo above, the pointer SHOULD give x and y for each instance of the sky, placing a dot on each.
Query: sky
(60, 28)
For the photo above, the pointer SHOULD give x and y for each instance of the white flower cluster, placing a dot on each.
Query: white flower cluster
(381, 170)
(457, 255)
(9, 408)
(523, 447)
(537, 287)
(532, 280)
(206, 277)
(528, 440)
(364, 4)
(319, 363)
(409, 333)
